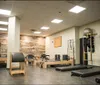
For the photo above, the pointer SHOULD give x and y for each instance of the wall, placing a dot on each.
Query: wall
(3, 45)
(66, 35)
(32, 45)
(28, 45)
(96, 28)
(75, 33)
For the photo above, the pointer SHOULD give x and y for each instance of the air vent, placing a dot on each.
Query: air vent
(33, 30)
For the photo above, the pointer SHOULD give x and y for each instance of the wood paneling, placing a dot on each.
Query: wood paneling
(32, 45)
(28, 45)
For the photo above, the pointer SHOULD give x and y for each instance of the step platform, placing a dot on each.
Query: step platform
(86, 72)
(70, 68)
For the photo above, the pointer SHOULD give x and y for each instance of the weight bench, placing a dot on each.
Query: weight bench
(30, 59)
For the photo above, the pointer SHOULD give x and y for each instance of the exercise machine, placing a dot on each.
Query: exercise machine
(17, 57)
(88, 47)
(97, 80)
(70, 51)
(64, 58)
(45, 64)
(3, 62)
(57, 57)
(55, 62)
(30, 59)
(88, 44)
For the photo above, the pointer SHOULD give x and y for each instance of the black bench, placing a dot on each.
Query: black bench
(86, 72)
(70, 68)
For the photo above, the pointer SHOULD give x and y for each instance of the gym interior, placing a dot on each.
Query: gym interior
(50, 42)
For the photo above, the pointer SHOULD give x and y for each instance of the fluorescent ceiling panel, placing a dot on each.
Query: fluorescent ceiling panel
(5, 12)
(77, 9)
(3, 29)
(44, 28)
(56, 21)
(37, 32)
(3, 23)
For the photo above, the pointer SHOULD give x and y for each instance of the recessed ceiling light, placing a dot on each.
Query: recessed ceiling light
(56, 21)
(5, 12)
(3, 23)
(37, 32)
(45, 28)
(77, 9)
(3, 29)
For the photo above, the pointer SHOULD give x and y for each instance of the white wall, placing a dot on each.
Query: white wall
(75, 33)
(66, 35)
(96, 27)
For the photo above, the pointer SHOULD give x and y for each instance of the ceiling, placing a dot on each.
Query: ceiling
(35, 14)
